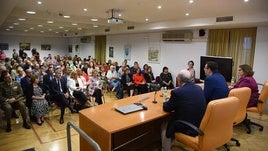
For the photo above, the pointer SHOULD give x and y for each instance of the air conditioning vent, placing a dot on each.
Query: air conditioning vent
(223, 19)
(185, 36)
(130, 27)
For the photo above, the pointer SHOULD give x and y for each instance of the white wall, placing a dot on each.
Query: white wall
(174, 55)
(84, 49)
(261, 55)
(59, 46)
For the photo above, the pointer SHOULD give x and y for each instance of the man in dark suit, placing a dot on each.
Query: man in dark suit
(188, 103)
(47, 78)
(25, 83)
(215, 86)
(59, 93)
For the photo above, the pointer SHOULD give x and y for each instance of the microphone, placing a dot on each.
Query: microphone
(154, 101)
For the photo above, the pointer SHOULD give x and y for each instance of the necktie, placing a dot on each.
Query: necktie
(59, 85)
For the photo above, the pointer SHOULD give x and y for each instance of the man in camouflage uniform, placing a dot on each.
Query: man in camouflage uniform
(11, 97)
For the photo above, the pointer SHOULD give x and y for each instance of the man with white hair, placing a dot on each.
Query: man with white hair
(188, 103)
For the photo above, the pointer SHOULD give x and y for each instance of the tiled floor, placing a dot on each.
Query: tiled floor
(51, 136)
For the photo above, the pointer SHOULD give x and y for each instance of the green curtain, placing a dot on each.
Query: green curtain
(218, 42)
(237, 43)
(100, 49)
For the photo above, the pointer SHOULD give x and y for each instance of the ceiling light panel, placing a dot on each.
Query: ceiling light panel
(21, 19)
(31, 12)
(50, 22)
(94, 19)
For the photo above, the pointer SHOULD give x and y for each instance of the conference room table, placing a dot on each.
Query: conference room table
(113, 130)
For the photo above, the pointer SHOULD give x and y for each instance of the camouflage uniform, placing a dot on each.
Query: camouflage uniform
(8, 91)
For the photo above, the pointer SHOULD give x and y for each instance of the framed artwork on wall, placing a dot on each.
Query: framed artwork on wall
(111, 52)
(25, 45)
(45, 47)
(154, 54)
(70, 48)
(4, 46)
(127, 52)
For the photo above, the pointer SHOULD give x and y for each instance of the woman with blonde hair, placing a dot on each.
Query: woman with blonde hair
(76, 89)
(95, 87)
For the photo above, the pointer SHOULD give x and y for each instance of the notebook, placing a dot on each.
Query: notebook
(129, 108)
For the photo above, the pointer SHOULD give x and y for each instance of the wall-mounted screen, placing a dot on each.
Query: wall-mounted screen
(225, 65)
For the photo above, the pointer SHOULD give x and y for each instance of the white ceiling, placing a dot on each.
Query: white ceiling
(171, 16)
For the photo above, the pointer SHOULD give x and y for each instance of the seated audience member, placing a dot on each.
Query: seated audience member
(47, 79)
(15, 54)
(121, 70)
(14, 71)
(83, 76)
(188, 103)
(191, 70)
(125, 63)
(59, 93)
(25, 84)
(215, 85)
(113, 78)
(77, 89)
(95, 87)
(150, 80)
(21, 74)
(145, 67)
(90, 68)
(11, 97)
(246, 79)
(134, 68)
(127, 82)
(166, 79)
(140, 82)
(39, 106)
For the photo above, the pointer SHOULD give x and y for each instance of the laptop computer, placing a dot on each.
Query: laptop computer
(129, 108)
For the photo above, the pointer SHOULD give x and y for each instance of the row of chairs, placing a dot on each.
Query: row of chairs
(216, 128)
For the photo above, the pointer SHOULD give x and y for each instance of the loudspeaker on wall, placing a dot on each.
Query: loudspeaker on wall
(202, 32)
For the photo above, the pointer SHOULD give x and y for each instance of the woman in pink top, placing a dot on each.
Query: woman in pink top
(246, 79)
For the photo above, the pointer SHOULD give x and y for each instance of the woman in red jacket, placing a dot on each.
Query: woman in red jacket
(140, 82)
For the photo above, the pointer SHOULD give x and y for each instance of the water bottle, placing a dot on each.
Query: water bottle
(232, 81)
(164, 94)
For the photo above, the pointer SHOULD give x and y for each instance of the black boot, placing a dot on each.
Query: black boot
(61, 120)
(26, 125)
(62, 110)
(8, 127)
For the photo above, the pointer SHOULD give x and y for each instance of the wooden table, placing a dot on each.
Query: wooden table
(115, 131)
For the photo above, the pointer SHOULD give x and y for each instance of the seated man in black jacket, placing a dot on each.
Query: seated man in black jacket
(188, 103)
(59, 93)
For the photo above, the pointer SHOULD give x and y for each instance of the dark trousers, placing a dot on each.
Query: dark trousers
(98, 94)
(142, 88)
(62, 102)
(81, 97)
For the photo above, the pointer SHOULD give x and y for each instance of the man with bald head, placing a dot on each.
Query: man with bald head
(188, 103)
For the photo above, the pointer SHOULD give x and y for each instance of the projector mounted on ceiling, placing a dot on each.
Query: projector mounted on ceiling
(113, 19)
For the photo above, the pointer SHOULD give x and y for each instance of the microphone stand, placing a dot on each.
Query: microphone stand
(154, 101)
